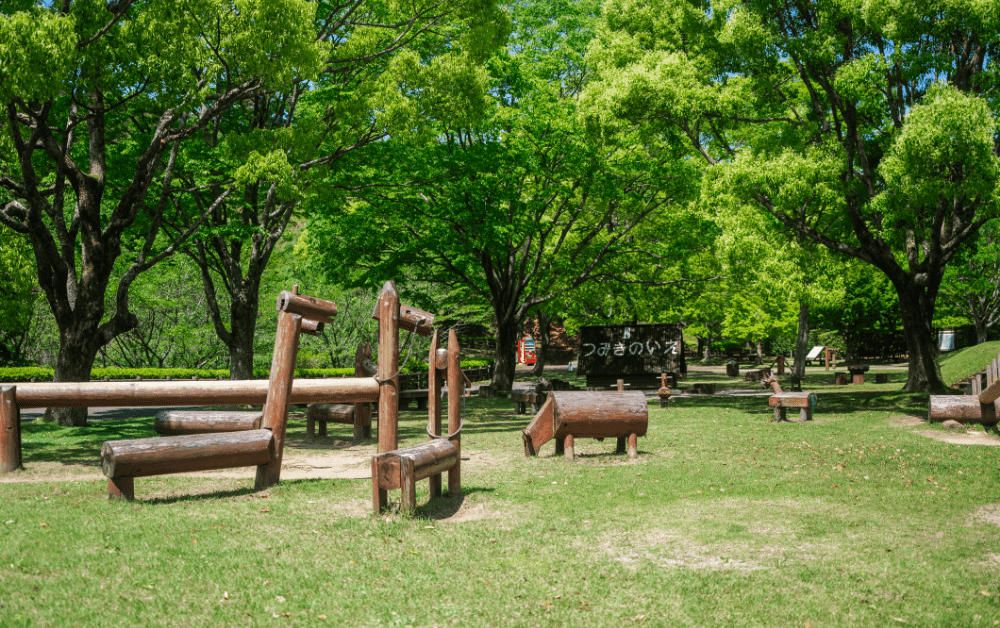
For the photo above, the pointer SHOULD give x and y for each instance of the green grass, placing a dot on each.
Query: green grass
(726, 519)
(960, 364)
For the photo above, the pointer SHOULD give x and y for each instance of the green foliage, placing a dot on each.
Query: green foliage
(36, 53)
(17, 296)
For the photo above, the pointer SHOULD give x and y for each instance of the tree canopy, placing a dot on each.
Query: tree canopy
(868, 128)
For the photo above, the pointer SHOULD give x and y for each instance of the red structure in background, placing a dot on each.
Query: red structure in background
(526, 350)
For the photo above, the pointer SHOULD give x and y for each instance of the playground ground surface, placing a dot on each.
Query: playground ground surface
(867, 516)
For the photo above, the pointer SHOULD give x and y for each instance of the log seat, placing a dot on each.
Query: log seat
(124, 460)
(324, 413)
(402, 468)
(804, 401)
(180, 422)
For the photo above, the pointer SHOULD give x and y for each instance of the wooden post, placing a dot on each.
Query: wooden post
(362, 411)
(569, 447)
(408, 486)
(826, 357)
(456, 393)
(10, 430)
(781, 365)
(633, 445)
(434, 404)
(387, 313)
(621, 385)
(286, 349)
(620, 445)
(380, 496)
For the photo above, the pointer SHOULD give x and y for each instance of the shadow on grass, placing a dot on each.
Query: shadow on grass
(49, 442)
(448, 506)
(827, 403)
(195, 497)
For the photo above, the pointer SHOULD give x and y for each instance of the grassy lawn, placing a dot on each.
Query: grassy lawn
(726, 519)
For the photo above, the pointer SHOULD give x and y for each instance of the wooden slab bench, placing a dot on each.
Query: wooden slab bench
(403, 468)
(324, 413)
(521, 398)
(804, 401)
(180, 422)
(418, 394)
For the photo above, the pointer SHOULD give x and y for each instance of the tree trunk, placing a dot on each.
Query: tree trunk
(801, 341)
(542, 344)
(708, 348)
(506, 354)
(917, 311)
(76, 357)
(980, 329)
(760, 353)
(243, 324)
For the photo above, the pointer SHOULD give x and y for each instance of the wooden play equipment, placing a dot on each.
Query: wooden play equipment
(124, 460)
(401, 469)
(358, 414)
(979, 407)
(664, 392)
(781, 401)
(567, 416)
(228, 439)
(181, 422)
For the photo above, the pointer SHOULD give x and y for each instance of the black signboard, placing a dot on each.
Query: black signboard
(635, 353)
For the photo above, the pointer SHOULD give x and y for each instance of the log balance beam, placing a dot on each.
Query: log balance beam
(781, 401)
(401, 469)
(567, 416)
(980, 407)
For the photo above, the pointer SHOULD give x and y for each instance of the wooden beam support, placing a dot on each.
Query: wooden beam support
(387, 310)
(10, 431)
(362, 409)
(456, 396)
(275, 415)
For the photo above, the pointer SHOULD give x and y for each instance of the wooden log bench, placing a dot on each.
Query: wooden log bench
(403, 468)
(804, 401)
(181, 422)
(978, 408)
(703, 388)
(858, 372)
(124, 460)
(324, 413)
(566, 416)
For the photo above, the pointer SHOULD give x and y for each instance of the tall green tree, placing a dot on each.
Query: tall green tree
(867, 128)
(515, 207)
(262, 158)
(98, 99)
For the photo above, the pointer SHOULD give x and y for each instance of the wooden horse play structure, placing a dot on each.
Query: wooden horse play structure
(401, 469)
(978, 407)
(124, 460)
(567, 416)
(781, 401)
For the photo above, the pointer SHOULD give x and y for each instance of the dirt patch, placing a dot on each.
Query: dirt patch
(906, 421)
(972, 437)
(988, 513)
(752, 535)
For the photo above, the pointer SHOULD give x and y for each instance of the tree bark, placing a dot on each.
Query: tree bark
(542, 344)
(506, 354)
(243, 325)
(760, 352)
(801, 341)
(917, 311)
